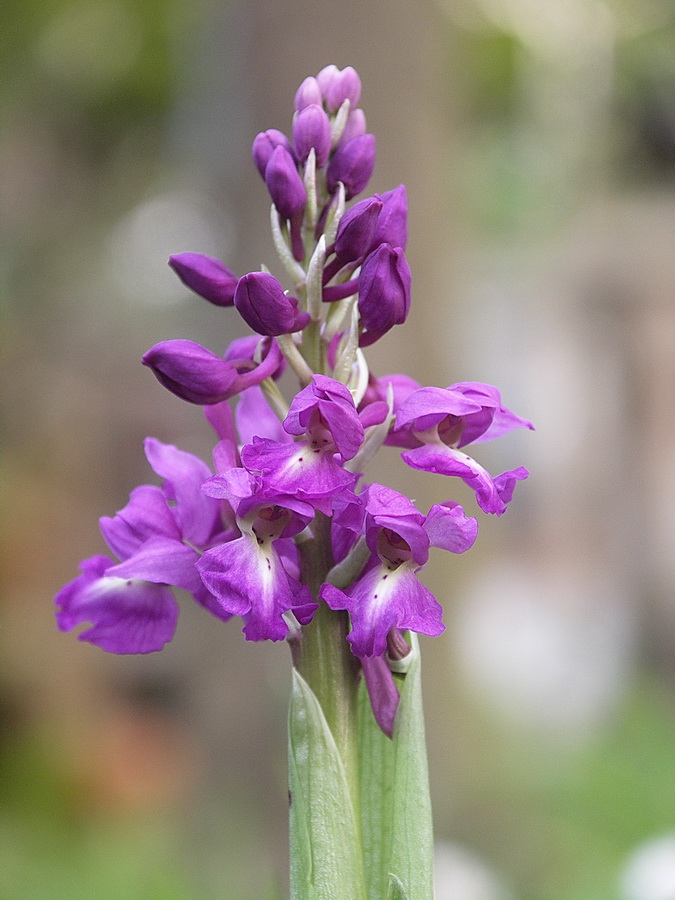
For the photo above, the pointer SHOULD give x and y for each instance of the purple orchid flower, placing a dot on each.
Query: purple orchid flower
(248, 575)
(324, 412)
(157, 538)
(435, 423)
(388, 594)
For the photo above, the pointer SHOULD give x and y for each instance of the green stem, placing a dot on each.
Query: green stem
(324, 658)
(312, 346)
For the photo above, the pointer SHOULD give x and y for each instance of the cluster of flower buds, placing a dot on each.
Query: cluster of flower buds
(231, 536)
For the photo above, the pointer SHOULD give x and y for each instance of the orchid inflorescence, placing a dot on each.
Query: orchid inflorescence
(233, 537)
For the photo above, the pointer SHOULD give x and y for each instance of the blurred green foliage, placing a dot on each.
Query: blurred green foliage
(558, 827)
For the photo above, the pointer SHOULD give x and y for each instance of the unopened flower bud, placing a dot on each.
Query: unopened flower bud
(339, 85)
(264, 306)
(392, 225)
(357, 229)
(311, 128)
(206, 276)
(352, 164)
(384, 290)
(191, 371)
(309, 92)
(264, 145)
(355, 126)
(284, 184)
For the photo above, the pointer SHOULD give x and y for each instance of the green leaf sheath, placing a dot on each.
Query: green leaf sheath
(395, 803)
(396, 890)
(326, 858)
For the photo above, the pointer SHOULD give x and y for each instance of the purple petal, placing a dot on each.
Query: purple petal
(338, 85)
(503, 421)
(206, 276)
(352, 164)
(197, 515)
(296, 469)
(336, 405)
(356, 126)
(191, 371)
(255, 418)
(161, 561)
(382, 599)
(491, 495)
(392, 225)
(264, 145)
(309, 92)
(449, 528)
(145, 516)
(263, 305)
(311, 130)
(249, 580)
(384, 289)
(432, 404)
(356, 231)
(506, 482)
(388, 509)
(126, 616)
(382, 690)
(285, 186)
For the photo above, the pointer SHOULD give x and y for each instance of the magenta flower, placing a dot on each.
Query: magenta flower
(437, 422)
(158, 537)
(388, 594)
(246, 540)
(247, 575)
(311, 469)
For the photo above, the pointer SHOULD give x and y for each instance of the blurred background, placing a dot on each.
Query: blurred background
(537, 141)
